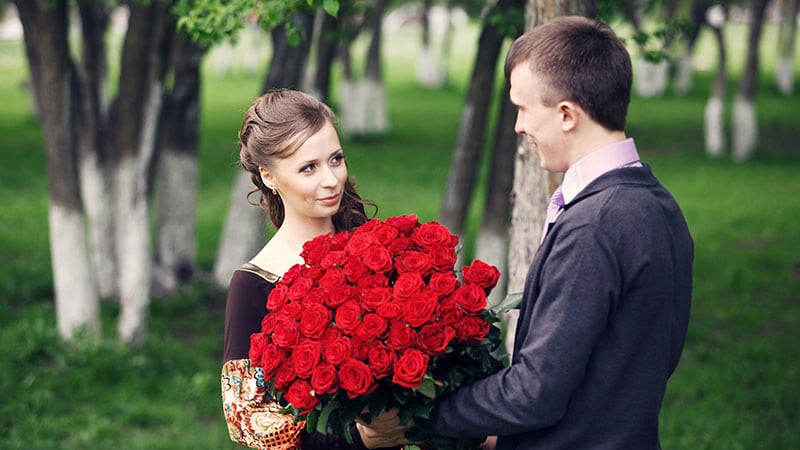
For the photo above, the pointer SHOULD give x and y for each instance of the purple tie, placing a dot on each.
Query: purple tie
(556, 204)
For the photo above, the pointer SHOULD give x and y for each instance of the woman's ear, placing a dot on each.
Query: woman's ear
(267, 178)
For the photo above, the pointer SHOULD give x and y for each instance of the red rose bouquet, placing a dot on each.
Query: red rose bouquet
(377, 318)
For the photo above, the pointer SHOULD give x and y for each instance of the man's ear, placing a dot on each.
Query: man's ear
(267, 178)
(570, 115)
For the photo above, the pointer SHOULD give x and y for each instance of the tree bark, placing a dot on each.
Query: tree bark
(472, 128)
(685, 71)
(178, 170)
(45, 25)
(787, 37)
(492, 242)
(532, 185)
(714, 128)
(244, 230)
(325, 54)
(745, 125)
(135, 115)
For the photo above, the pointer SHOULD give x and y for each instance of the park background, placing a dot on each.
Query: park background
(735, 388)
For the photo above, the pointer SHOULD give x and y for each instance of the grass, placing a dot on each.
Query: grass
(734, 389)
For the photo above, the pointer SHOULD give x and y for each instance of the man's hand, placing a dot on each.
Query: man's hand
(383, 431)
(489, 444)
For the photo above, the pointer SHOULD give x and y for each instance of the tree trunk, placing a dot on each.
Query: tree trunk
(325, 52)
(96, 163)
(374, 99)
(745, 125)
(432, 65)
(685, 71)
(472, 128)
(135, 114)
(787, 33)
(532, 185)
(45, 25)
(178, 169)
(244, 230)
(714, 129)
(492, 242)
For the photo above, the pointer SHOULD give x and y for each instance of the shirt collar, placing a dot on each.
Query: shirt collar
(596, 163)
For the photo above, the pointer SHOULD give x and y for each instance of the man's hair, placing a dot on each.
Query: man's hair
(579, 60)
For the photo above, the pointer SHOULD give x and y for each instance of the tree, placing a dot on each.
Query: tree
(472, 127)
(787, 37)
(532, 185)
(714, 127)
(101, 153)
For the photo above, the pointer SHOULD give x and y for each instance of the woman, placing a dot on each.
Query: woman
(289, 144)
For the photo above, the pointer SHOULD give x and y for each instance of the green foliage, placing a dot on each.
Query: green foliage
(210, 22)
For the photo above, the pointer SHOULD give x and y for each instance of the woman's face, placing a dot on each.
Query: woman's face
(310, 181)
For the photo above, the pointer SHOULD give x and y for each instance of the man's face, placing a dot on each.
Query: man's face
(540, 124)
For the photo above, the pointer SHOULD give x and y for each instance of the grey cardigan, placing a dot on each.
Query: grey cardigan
(602, 324)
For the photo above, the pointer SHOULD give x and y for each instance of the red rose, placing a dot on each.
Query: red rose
(355, 270)
(449, 312)
(271, 359)
(420, 309)
(408, 285)
(316, 249)
(348, 316)
(332, 279)
(371, 281)
(482, 274)
(305, 356)
(433, 339)
(361, 346)
(385, 233)
(286, 334)
(292, 274)
(372, 326)
(390, 310)
(367, 226)
(315, 320)
(257, 343)
(404, 224)
(413, 261)
(400, 245)
(359, 243)
(443, 283)
(471, 298)
(300, 287)
(375, 297)
(285, 375)
(340, 295)
(291, 310)
(339, 240)
(268, 323)
(316, 295)
(323, 380)
(410, 368)
(313, 272)
(356, 378)
(443, 258)
(381, 360)
(377, 258)
(301, 397)
(335, 258)
(337, 350)
(277, 298)
(400, 336)
(471, 329)
(432, 234)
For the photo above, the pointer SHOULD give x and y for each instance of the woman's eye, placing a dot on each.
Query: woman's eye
(337, 159)
(307, 168)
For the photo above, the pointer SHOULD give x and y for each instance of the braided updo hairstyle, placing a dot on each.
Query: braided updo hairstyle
(274, 127)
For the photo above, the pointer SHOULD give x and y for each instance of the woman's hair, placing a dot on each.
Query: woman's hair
(275, 126)
(579, 60)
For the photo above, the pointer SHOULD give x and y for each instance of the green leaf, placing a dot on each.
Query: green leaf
(311, 420)
(427, 388)
(322, 423)
(510, 302)
(331, 7)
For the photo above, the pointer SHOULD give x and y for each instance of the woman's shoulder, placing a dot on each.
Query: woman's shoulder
(264, 274)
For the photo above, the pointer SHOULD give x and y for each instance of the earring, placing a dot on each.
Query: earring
(274, 192)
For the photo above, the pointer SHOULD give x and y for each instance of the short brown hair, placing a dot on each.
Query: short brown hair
(580, 60)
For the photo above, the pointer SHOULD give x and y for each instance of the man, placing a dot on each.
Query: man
(606, 301)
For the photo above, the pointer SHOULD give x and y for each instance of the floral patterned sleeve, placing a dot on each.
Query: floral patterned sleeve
(252, 420)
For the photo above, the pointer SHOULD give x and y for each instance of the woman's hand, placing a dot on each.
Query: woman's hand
(384, 430)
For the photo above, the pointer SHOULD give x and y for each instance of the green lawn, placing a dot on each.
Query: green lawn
(736, 386)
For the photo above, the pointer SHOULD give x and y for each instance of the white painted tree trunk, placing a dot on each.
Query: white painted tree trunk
(243, 233)
(745, 129)
(96, 191)
(684, 77)
(177, 200)
(133, 227)
(784, 75)
(492, 248)
(76, 300)
(431, 72)
(363, 108)
(714, 128)
(651, 78)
